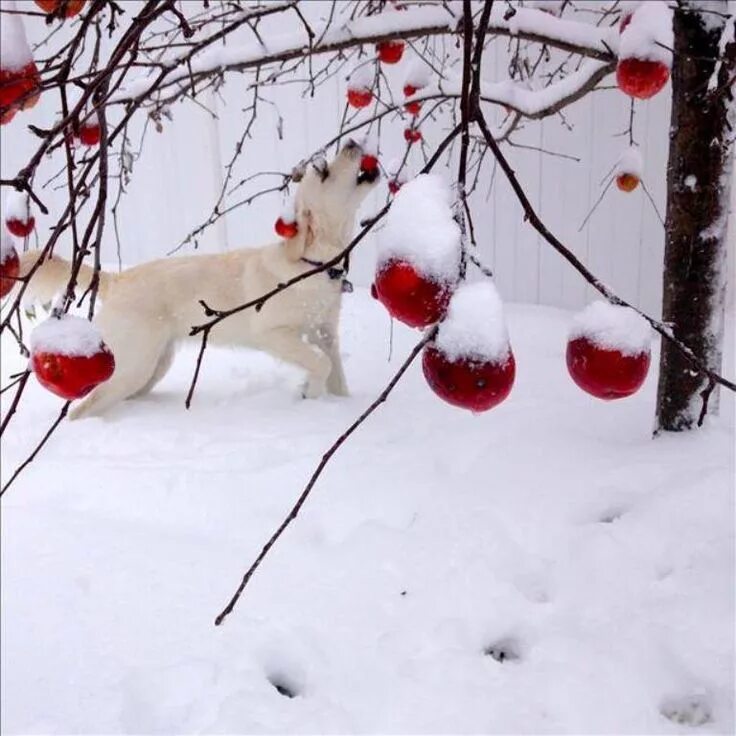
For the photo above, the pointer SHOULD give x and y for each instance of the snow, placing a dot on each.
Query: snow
(649, 34)
(7, 247)
(554, 524)
(15, 53)
(631, 162)
(417, 74)
(362, 77)
(66, 335)
(475, 327)
(396, 172)
(288, 209)
(550, 6)
(613, 328)
(17, 206)
(420, 229)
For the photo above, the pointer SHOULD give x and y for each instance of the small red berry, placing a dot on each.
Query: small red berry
(286, 229)
(394, 185)
(20, 228)
(359, 97)
(390, 52)
(89, 134)
(412, 135)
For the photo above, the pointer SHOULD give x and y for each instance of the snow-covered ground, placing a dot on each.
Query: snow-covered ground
(552, 528)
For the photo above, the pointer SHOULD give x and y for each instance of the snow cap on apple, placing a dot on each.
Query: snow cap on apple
(360, 85)
(612, 327)
(475, 328)
(629, 169)
(66, 335)
(15, 53)
(421, 230)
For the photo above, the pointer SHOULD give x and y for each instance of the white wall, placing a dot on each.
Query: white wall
(178, 176)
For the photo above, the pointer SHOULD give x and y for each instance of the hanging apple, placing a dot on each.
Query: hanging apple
(69, 357)
(413, 107)
(470, 363)
(390, 52)
(412, 298)
(627, 182)
(9, 265)
(608, 353)
(359, 97)
(369, 162)
(89, 134)
(417, 77)
(412, 135)
(70, 8)
(419, 253)
(286, 229)
(18, 218)
(19, 77)
(641, 78)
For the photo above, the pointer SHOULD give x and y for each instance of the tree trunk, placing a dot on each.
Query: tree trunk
(699, 176)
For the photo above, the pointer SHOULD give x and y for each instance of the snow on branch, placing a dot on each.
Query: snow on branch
(203, 60)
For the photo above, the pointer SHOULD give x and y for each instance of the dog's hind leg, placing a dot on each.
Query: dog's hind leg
(162, 368)
(138, 352)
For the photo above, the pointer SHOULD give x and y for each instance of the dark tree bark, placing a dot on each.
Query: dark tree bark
(699, 176)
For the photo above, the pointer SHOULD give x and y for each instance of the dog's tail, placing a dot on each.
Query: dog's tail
(52, 276)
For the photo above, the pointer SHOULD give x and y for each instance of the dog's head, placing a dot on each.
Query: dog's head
(327, 201)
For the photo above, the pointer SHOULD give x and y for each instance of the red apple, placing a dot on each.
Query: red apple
(412, 135)
(286, 229)
(369, 162)
(470, 384)
(605, 373)
(71, 7)
(72, 376)
(394, 185)
(411, 297)
(627, 182)
(18, 87)
(359, 97)
(9, 269)
(20, 228)
(89, 134)
(390, 52)
(641, 78)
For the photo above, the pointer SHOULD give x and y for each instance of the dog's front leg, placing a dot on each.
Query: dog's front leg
(287, 344)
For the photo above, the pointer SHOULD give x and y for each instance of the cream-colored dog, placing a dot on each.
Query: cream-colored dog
(148, 309)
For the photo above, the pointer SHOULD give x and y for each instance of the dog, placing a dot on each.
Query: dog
(149, 309)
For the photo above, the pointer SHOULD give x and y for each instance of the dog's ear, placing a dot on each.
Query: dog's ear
(297, 246)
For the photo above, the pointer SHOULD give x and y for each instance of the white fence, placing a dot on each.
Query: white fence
(178, 177)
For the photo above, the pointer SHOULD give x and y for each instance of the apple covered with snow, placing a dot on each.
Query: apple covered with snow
(369, 160)
(286, 225)
(629, 169)
(69, 357)
(470, 363)
(18, 218)
(9, 265)
(419, 253)
(644, 51)
(608, 350)
(360, 86)
(19, 78)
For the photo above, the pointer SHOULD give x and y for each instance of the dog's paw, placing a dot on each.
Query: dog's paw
(313, 389)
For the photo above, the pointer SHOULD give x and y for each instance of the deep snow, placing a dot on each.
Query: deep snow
(553, 529)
